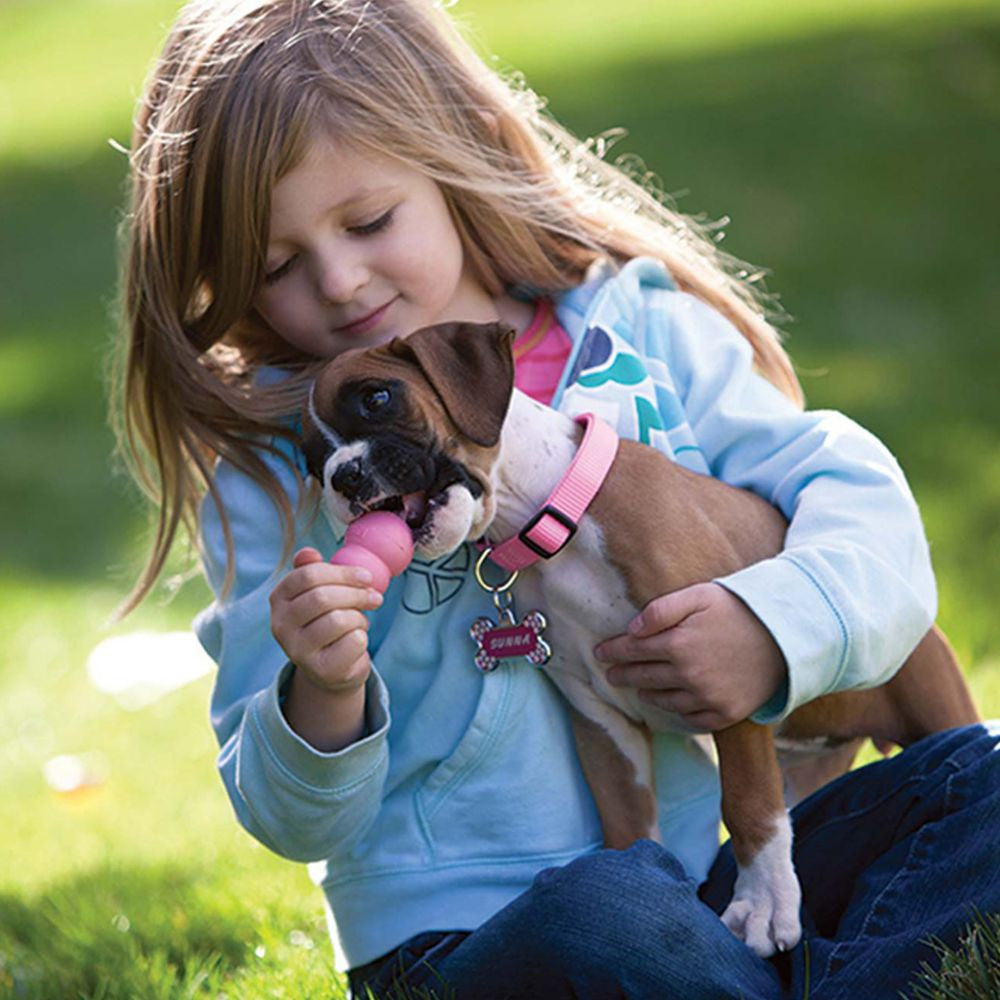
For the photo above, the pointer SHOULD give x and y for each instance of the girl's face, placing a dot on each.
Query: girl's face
(362, 248)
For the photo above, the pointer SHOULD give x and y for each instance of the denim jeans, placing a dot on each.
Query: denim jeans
(888, 856)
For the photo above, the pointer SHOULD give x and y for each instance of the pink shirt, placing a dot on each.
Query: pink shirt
(540, 354)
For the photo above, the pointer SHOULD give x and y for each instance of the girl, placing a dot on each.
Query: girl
(314, 175)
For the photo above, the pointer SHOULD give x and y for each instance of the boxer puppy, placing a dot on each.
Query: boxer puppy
(431, 427)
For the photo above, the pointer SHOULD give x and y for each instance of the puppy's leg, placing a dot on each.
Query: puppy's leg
(764, 911)
(616, 757)
(929, 692)
(926, 695)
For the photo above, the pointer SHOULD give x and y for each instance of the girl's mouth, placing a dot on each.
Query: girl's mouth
(366, 323)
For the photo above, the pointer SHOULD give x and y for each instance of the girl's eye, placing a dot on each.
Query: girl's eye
(373, 400)
(279, 272)
(374, 226)
(368, 229)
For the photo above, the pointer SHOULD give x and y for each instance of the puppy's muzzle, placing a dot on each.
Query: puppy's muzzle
(351, 482)
(389, 472)
(404, 465)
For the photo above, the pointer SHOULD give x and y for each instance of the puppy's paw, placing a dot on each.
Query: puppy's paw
(763, 923)
(764, 912)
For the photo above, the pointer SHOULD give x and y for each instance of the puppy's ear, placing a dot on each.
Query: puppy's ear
(471, 367)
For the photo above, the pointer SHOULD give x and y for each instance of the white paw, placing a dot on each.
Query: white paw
(764, 923)
(764, 912)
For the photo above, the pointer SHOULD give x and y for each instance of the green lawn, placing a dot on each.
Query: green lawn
(855, 148)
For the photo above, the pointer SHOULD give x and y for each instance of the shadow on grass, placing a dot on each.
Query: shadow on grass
(154, 932)
(860, 168)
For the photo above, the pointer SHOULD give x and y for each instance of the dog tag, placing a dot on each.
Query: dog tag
(507, 638)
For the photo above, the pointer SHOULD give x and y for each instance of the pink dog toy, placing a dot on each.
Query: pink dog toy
(380, 542)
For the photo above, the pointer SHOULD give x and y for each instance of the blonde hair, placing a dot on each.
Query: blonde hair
(238, 92)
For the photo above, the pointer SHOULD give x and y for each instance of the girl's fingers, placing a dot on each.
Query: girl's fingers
(643, 675)
(667, 611)
(672, 700)
(630, 649)
(312, 604)
(345, 665)
(305, 556)
(337, 664)
(304, 643)
(318, 573)
(329, 628)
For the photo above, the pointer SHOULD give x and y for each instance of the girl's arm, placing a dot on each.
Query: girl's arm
(316, 616)
(853, 591)
(300, 802)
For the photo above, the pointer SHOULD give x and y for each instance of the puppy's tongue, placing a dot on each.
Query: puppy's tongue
(414, 509)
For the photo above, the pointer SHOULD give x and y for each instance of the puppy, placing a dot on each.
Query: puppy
(431, 426)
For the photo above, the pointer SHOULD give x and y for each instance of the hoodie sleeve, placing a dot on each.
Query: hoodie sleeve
(853, 591)
(297, 801)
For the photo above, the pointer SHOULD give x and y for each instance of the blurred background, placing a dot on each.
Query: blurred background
(853, 148)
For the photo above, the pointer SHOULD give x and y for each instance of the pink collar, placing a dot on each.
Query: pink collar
(548, 532)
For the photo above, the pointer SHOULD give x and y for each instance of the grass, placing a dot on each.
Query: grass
(854, 146)
(969, 972)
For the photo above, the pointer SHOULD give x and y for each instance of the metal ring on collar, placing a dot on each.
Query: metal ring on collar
(479, 574)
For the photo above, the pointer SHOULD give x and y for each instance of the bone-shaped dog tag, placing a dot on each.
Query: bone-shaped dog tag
(507, 638)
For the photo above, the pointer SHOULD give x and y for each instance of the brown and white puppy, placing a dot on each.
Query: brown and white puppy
(432, 427)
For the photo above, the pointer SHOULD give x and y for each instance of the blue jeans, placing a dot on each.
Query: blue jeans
(888, 855)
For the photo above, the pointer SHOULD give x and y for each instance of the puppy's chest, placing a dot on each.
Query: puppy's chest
(584, 595)
(585, 598)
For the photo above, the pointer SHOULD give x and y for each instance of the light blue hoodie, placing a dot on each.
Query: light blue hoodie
(466, 785)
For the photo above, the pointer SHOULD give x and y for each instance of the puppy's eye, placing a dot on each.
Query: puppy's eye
(374, 400)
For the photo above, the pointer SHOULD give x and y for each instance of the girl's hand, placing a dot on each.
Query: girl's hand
(699, 652)
(317, 619)
(316, 616)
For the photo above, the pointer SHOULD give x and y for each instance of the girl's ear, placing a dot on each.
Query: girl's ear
(471, 368)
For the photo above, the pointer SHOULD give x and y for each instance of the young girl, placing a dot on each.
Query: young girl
(315, 175)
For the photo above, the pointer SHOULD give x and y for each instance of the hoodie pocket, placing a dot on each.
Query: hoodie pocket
(474, 750)
(512, 787)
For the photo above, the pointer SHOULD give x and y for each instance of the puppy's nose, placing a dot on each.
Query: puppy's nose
(348, 479)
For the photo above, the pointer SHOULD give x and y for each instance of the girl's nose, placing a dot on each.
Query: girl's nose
(339, 276)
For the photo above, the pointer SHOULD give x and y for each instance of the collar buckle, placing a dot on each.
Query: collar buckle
(576, 489)
(563, 519)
